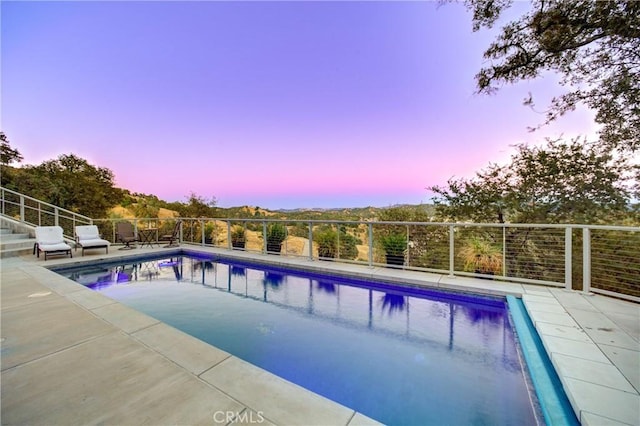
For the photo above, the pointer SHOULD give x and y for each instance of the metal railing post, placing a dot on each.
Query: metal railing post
(264, 237)
(338, 245)
(229, 234)
(310, 240)
(286, 239)
(568, 262)
(586, 260)
(202, 236)
(56, 216)
(451, 252)
(370, 244)
(408, 247)
(22, 209)
(504, 251)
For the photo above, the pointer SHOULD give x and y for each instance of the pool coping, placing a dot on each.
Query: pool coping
(558, 315)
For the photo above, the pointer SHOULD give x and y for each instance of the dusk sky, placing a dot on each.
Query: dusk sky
(270, 104)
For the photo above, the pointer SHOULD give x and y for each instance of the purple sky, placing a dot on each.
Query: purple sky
(275, 104)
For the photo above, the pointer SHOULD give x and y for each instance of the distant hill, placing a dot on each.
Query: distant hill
(251, 212)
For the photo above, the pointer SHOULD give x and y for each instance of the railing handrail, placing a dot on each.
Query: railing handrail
(383, 222)
(65, 218)
(60, 209)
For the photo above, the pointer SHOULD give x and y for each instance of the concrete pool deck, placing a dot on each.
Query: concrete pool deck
(74, 356)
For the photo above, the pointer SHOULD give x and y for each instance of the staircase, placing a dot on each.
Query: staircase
(20, 214)
(15, 242)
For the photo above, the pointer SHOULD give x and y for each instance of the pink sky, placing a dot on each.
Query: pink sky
(275, 104)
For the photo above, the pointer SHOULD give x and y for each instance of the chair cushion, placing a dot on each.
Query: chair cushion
(96, 242)
(46, 235)
(54, 247)
(87, 232)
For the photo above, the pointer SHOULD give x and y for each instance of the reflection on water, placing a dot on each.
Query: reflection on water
(326, 286)
(273, 279)
(401, 356)
(238, 271)
(393, 302)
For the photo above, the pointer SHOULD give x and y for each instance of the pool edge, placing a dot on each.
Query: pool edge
(554, 403)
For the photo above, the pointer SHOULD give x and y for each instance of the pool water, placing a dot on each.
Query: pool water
(399, 355)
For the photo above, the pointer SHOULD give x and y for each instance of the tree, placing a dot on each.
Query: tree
(483, 199)
(199, 206)
(562, 182)
(593, 45)
(72, 183)
(146, 207)
(8, 155)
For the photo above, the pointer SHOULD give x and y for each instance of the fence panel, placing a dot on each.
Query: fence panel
(535, 253)
(615, 261)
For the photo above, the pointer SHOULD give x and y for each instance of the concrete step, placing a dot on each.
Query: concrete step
(17, 244)
(13, 252)
(8, 237)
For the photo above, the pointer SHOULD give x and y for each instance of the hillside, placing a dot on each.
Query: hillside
(128, 213)
(250, 212)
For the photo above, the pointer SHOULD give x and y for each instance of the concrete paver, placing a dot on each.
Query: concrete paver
(126, 384)
(194, 355)
(584, 350)
(263, 392)
(626, 360)
(563, 331)
(605, 374)
(35, 329)
(604, 401)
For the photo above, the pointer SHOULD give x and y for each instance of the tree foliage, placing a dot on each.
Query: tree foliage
(332, 243)
(561, 182)
(198, 206)
(593, 45)
(8, 155)
(69, 182)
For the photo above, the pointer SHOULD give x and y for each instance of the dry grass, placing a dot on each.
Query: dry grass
(297, 246)
(123, 212)
(126, 213)
(167, 214)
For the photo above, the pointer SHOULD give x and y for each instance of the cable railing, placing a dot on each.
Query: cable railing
(34, 212)
(588, 258)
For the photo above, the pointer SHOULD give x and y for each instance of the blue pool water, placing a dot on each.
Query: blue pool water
(399, 355)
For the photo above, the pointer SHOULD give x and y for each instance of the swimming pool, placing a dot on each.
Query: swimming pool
(398, 355)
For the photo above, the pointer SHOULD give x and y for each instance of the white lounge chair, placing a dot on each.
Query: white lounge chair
(88, 237)
(50, 240)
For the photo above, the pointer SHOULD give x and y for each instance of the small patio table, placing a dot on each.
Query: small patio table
(148, 236)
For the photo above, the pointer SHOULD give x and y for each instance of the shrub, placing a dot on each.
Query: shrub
(394, 244)
(238, 237)
(327, 243)
(480, 256)
(276, 234)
